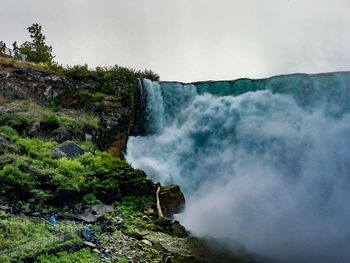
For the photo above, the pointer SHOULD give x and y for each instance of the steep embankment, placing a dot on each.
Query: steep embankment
(104, 97)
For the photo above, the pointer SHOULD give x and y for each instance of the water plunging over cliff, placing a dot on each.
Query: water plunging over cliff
(264, 162)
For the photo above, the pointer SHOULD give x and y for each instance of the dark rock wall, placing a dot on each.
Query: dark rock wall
(46, 88)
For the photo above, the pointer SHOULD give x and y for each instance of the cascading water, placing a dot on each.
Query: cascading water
(263, 162)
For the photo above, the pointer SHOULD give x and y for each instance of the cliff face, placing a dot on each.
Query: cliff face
(107, 99)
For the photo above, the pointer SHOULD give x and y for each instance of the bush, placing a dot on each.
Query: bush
(13, 177)
(51, 121)
(70, 174)
(102, 162)
(37, 149)
(78, 71)
(8, 131)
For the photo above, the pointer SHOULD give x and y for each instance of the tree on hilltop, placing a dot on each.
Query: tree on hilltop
(37, 50)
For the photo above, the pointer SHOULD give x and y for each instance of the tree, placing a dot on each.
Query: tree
(37, 51)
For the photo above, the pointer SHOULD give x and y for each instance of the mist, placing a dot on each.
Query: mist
(262, 168)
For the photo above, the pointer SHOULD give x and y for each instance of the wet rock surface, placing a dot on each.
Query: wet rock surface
(172, 200)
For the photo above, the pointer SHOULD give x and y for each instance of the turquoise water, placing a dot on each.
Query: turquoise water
(264, 162)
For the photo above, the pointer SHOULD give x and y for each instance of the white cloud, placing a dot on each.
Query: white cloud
(191, 40)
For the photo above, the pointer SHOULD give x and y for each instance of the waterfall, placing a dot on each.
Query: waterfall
(264, 162)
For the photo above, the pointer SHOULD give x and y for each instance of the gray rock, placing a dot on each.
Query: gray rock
(87, 217)
(102, 209)
(68, 149)
(89, 244)
(5, 208)
(5, 146)
(147, 242)
(58, 154)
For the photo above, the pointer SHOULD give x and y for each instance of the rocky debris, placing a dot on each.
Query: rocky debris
(87, 217)
(172, 200)
(68, 149)
(178, 230)
(5, 208)
(147, 242)
(7, 147)
(101, 209)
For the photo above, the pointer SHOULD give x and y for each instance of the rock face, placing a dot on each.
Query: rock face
(115, 111)
(172, 200)
(5, 146)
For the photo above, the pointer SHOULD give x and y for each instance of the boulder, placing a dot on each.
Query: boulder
(172, 200)
(102, 209)
(68, 149)
(87, 217)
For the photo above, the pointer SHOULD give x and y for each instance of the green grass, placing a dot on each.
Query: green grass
(82, 256)
(32, 236)
(131, 208)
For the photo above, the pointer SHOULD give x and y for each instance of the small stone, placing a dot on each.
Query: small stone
(89, 244)
(96, 250)
(147, 242)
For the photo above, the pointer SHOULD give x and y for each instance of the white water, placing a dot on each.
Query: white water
(269, 168)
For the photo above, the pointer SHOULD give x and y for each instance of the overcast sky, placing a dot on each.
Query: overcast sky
(190, 40)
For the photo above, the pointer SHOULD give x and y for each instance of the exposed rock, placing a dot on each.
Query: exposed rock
(102, 209)
(147, 242)
(87, 217)
(5, 146)
(43, 87)
(5, 208)
(172, 200)
(89, 244)
(68, 149)
(58, 154)
(178, 230)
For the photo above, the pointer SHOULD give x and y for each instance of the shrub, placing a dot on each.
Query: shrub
(8, 131)
(50, 120)
(70, 174)
(78, 71)
(12, 176)
(90, 199)
(102, 162)
(36, 148)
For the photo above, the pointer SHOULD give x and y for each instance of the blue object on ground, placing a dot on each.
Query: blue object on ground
(53, 221)
(87, 233)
